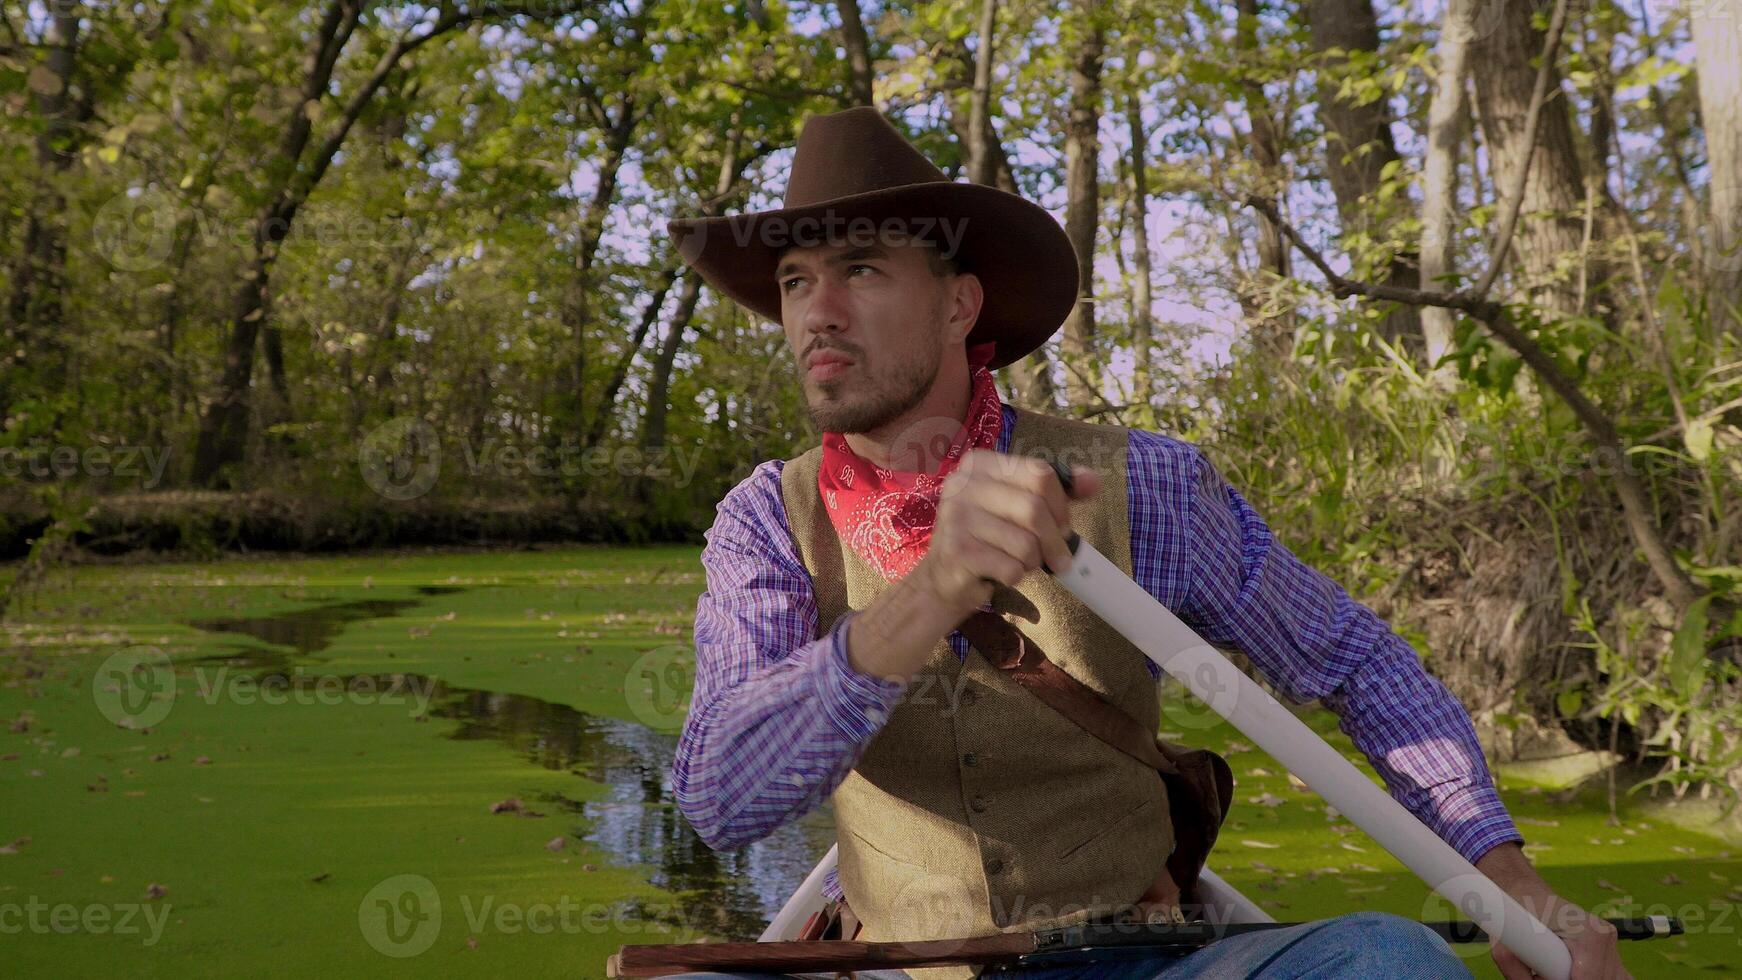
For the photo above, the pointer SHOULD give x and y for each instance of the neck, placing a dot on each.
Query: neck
(896, 443)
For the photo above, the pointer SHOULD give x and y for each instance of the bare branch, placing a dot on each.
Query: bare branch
(402, 46)
(595, 104)
(1635, 497)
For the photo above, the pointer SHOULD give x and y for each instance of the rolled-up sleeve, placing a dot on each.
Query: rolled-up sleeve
(1306, 636)
(778, 716)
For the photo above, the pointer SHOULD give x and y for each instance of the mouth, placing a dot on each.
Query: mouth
(826, 365)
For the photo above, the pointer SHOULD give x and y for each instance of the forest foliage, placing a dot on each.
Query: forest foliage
(1449, 290)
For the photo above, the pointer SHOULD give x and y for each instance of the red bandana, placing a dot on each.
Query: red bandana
(885, 515)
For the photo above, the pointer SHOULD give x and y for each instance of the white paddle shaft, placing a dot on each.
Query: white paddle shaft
(808, 899)
(1180, 651)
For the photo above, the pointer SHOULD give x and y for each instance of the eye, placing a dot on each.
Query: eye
(786, 284)
(855, 268)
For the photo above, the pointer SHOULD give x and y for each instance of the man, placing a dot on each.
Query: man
(829, 660)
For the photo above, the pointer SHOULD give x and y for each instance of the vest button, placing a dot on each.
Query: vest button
(969, 696)
(970, 759)
(995, 866)
(978, 805)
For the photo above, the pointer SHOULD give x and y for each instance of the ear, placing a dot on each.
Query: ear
(966, 299)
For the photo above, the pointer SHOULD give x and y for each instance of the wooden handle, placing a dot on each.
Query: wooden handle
(815, 957)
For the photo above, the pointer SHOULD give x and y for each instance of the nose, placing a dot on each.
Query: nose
(825, 307)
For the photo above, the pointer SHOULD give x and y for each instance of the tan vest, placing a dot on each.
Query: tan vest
(977, 809)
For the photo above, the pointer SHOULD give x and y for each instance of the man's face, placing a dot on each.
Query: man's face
(868, 326)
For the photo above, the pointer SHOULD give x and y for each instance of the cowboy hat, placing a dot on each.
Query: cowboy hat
(855, 180)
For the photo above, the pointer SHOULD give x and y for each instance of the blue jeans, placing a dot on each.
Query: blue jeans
(1356, 946)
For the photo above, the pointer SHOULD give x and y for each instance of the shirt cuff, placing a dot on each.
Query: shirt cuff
(1473, 820)
(858, 704)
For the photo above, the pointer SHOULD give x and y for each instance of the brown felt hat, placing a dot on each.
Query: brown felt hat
(854, 177)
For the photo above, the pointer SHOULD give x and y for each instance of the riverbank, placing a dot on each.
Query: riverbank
(201, 524)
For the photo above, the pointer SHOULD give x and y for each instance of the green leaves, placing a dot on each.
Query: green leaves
(1569, 702)
(1687, 658)
(1480, 359)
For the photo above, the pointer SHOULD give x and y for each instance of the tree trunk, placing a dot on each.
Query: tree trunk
(1274, 329)
(275, 375)
(577, 305)
(1358, 142)
(1448, 117)
(35, 309)
(1717, 30)
(1083, 207)
(858, 45)
(223, 434)
(619, 374)
(961, 74)
(659, 385)
(1142, 322)
(1030, 379)
(732, 165)
(1551, 225)
(982, 166)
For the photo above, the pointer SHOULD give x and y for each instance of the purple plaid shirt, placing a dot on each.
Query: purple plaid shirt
(779, 717)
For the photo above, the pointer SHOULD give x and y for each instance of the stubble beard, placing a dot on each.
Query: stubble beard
(877, 407)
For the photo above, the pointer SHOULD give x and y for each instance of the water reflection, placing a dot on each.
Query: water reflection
(732, 895)
(307, 630)
(728, 895)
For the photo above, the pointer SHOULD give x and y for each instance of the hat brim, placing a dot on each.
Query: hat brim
(1024, 260)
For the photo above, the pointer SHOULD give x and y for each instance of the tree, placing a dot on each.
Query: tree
(858, 45)
(1030, 379)
(1272, 323)
(1717, 30)
(1083, 204)
(87, 56)
(291, 174)
(1544, 162)
(1142, 301)
(1447, 123)
(615, 116)
(38, 280)
(1359, 148)
(982, 141)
